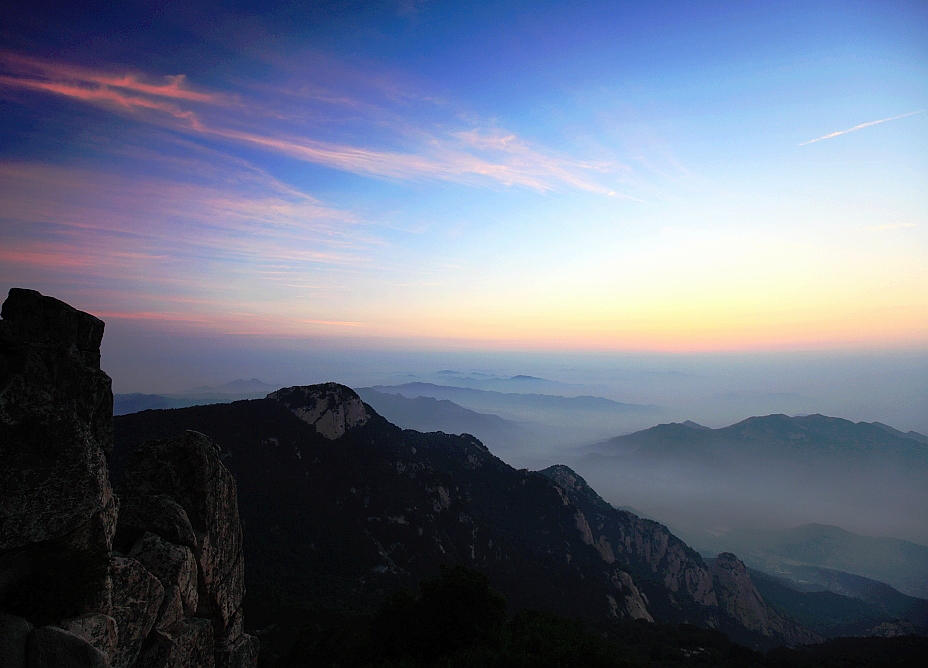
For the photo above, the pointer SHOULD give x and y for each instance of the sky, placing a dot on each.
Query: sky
(599, 178)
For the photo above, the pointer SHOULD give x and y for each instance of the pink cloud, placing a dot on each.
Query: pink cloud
(473, 156)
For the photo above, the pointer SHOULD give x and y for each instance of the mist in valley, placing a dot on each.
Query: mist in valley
(555, 408)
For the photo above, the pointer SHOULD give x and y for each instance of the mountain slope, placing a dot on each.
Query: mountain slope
(902, 564)
(773, 470)
(341, 507)
(429, 414)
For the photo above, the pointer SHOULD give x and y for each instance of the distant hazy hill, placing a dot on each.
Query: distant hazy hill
(802, 438)
(791, 552)
(429, 414)
(550, 419)
(514, 400)
(773, 470)
(124, 404)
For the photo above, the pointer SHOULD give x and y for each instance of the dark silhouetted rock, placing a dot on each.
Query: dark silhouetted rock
(99, 630)
(14, 634)
(60, 521)
(187, 643)
(243, 652)
(188, 470)
(52, 647)
(159, 514)
(55, 435)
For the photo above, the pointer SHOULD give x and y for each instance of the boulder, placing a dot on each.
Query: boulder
(242, 654)
(14, 633)
(159, 514)
(188, 643)
(174, 565)
(99, 630)
(136, 601)
(52, 647)
(188, 470)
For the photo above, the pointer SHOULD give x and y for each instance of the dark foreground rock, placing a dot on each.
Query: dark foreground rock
(168, 591)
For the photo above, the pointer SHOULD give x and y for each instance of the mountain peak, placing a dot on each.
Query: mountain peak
(331, 408)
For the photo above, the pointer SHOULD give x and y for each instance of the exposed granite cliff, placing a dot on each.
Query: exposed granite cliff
(82, 584)
(678, 583)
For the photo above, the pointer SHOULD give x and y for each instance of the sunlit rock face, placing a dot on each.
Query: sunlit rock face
(331, 408)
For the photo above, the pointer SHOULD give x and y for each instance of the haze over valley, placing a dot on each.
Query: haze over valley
(427, 333)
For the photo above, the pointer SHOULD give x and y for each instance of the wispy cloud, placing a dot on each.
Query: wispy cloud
(891, 226)
(434, 151)
(861, 127)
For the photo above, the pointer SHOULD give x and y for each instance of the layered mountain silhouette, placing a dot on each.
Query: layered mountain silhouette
(772, 470)
(430, 414)
(341, 508)
(204, 394)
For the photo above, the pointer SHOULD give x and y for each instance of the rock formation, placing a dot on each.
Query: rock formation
(82, 584)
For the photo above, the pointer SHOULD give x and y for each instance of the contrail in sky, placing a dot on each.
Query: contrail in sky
(861, 126)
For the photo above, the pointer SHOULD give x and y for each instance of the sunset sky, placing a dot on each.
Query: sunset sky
(576, 176)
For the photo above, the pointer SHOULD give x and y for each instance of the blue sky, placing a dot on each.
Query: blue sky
(665, 177)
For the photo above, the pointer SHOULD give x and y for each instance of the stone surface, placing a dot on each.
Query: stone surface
(739, 598)
(98, 630)
(331, 408)
(188, 470)
(14, 633)
(186, 644)
(55, 419)
(172, 609)
(57, 513)
(174, 565)
(159, 514)
(137, 596)
(242, 654)
(52, 647)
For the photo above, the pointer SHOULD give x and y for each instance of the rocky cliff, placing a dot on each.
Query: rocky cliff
(342, 507)
(153, 581)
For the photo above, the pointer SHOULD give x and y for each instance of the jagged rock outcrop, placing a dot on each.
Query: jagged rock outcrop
(170, 592)
(677, 582)
(671, 575)
(196, 553)
(331, 408)
(58, 512)
(740, 599)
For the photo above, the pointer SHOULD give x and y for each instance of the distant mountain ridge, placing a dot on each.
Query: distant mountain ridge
(389, 506)
(779, 434)
(583, 402)
(428, 414)
(771, 470)
(253, 388)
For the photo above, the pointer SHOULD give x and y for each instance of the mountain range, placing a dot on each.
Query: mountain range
(340, 508)
(767, 471)
(204, 394)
